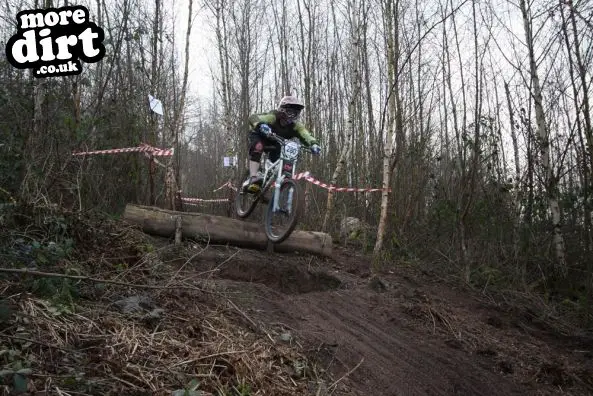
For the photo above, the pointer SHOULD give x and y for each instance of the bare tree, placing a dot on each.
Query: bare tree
(394, 126)
(354, 46)
(544, 144)
(172, 178)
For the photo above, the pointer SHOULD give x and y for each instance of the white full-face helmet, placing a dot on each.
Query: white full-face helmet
(291, 107)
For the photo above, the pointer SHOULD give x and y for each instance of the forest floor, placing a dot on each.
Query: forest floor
(140, 316)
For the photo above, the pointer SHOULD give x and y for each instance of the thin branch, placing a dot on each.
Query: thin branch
(90, 279)
(409, 56)
(346, 375)
(36, 342)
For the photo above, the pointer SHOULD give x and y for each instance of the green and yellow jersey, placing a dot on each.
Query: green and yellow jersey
(288, 131)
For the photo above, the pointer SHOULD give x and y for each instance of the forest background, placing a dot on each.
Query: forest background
(475, 114)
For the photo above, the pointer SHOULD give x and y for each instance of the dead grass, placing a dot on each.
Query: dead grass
(192, 337)
(96, 351)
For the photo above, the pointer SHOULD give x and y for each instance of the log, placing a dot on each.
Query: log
(218, 229)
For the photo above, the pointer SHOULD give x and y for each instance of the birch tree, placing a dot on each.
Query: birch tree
(393, 113)
(544, 144)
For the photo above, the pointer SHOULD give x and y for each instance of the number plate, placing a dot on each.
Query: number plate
(291, 150)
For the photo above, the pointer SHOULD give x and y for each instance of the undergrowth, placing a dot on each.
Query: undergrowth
(565, 302)
(63, 276)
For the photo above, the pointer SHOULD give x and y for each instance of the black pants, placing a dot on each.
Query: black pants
(257, 144)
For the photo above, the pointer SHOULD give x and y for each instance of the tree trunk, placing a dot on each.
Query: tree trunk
(172, 173)
(281, 25)
(355, 84)
(517, 183)
(154, 88)
(394, 120)
(551, 185)
(586, 165)
(513, 135)
(582, 68)
(467, 199)
(218, 229)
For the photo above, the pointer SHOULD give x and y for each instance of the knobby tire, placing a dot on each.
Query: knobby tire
(297, 199)
(243, 214)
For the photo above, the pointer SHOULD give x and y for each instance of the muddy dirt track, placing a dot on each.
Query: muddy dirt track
(237, 317)
(406, 332)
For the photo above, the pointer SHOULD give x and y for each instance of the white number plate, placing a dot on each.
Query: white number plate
(291, 150)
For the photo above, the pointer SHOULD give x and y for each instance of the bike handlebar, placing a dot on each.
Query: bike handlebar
(282, 140)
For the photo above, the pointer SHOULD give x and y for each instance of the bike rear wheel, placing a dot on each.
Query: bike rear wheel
(245, 202)
(289, 211)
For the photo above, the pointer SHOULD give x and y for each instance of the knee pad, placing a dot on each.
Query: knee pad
(256, 150)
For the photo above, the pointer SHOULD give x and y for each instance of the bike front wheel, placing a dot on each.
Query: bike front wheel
(290, 201)
(245, 202)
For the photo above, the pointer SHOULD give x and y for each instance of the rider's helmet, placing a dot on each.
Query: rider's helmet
(290, 107)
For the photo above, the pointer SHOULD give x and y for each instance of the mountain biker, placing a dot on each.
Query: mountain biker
(283, 122)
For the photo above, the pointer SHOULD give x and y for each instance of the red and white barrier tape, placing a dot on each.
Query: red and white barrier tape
(195, 201)
(227, 184)
(306, 176)
(198, 200)
(157, 152)
(156, 161)
(142, 148)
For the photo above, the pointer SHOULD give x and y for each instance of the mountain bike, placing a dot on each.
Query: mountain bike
(286, 200)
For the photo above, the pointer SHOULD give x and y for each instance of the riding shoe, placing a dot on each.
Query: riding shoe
(254, 186)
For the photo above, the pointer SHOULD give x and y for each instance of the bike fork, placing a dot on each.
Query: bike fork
(276, 199)
(289, 204)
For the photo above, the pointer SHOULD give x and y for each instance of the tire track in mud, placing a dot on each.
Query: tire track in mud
(396, 361)
(338, 309)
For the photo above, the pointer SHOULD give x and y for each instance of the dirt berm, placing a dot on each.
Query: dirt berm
(406, 331)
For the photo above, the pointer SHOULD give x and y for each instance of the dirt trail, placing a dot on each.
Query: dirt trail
(405, 334)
